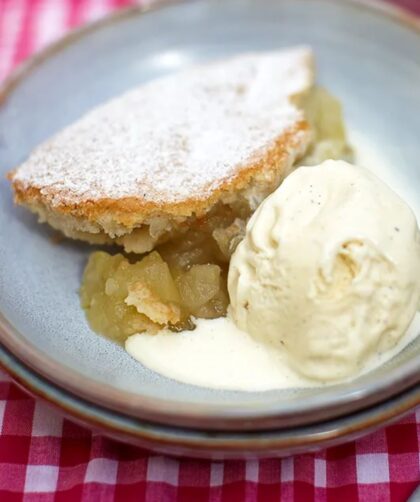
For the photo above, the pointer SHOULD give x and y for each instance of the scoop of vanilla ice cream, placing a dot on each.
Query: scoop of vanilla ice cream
(329, 270)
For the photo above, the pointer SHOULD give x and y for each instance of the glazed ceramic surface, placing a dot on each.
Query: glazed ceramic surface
(205, 443)
(369, 58)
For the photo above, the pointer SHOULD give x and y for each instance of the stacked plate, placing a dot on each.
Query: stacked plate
(367, 54)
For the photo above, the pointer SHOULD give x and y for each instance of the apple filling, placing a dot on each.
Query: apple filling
(181, 280)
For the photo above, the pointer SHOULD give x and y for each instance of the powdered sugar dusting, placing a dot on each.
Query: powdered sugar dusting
(176, 137)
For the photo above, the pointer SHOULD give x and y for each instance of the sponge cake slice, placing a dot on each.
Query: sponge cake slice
(149, 164)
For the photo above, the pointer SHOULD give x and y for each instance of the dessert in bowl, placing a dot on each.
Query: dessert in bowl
(41, 321)
(322, 280)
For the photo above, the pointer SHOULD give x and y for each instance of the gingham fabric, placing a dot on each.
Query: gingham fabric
(44, 457)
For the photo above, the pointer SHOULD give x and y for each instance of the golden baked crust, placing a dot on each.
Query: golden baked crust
(132, 211)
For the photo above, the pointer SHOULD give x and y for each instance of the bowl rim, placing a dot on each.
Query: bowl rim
(209, 444)
(250, 416)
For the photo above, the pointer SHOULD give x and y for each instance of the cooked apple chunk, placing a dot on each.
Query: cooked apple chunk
(123, 298)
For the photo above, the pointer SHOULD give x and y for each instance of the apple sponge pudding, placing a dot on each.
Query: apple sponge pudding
(171, 172)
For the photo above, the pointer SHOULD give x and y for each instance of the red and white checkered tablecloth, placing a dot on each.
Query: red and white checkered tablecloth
(44, 457)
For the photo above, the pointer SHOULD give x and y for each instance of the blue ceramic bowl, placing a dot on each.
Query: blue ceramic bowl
(367, 54)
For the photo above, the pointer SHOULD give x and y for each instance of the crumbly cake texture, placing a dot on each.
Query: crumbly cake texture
(173, 147)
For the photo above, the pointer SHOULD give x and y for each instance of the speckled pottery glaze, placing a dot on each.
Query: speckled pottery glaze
(367, 54)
